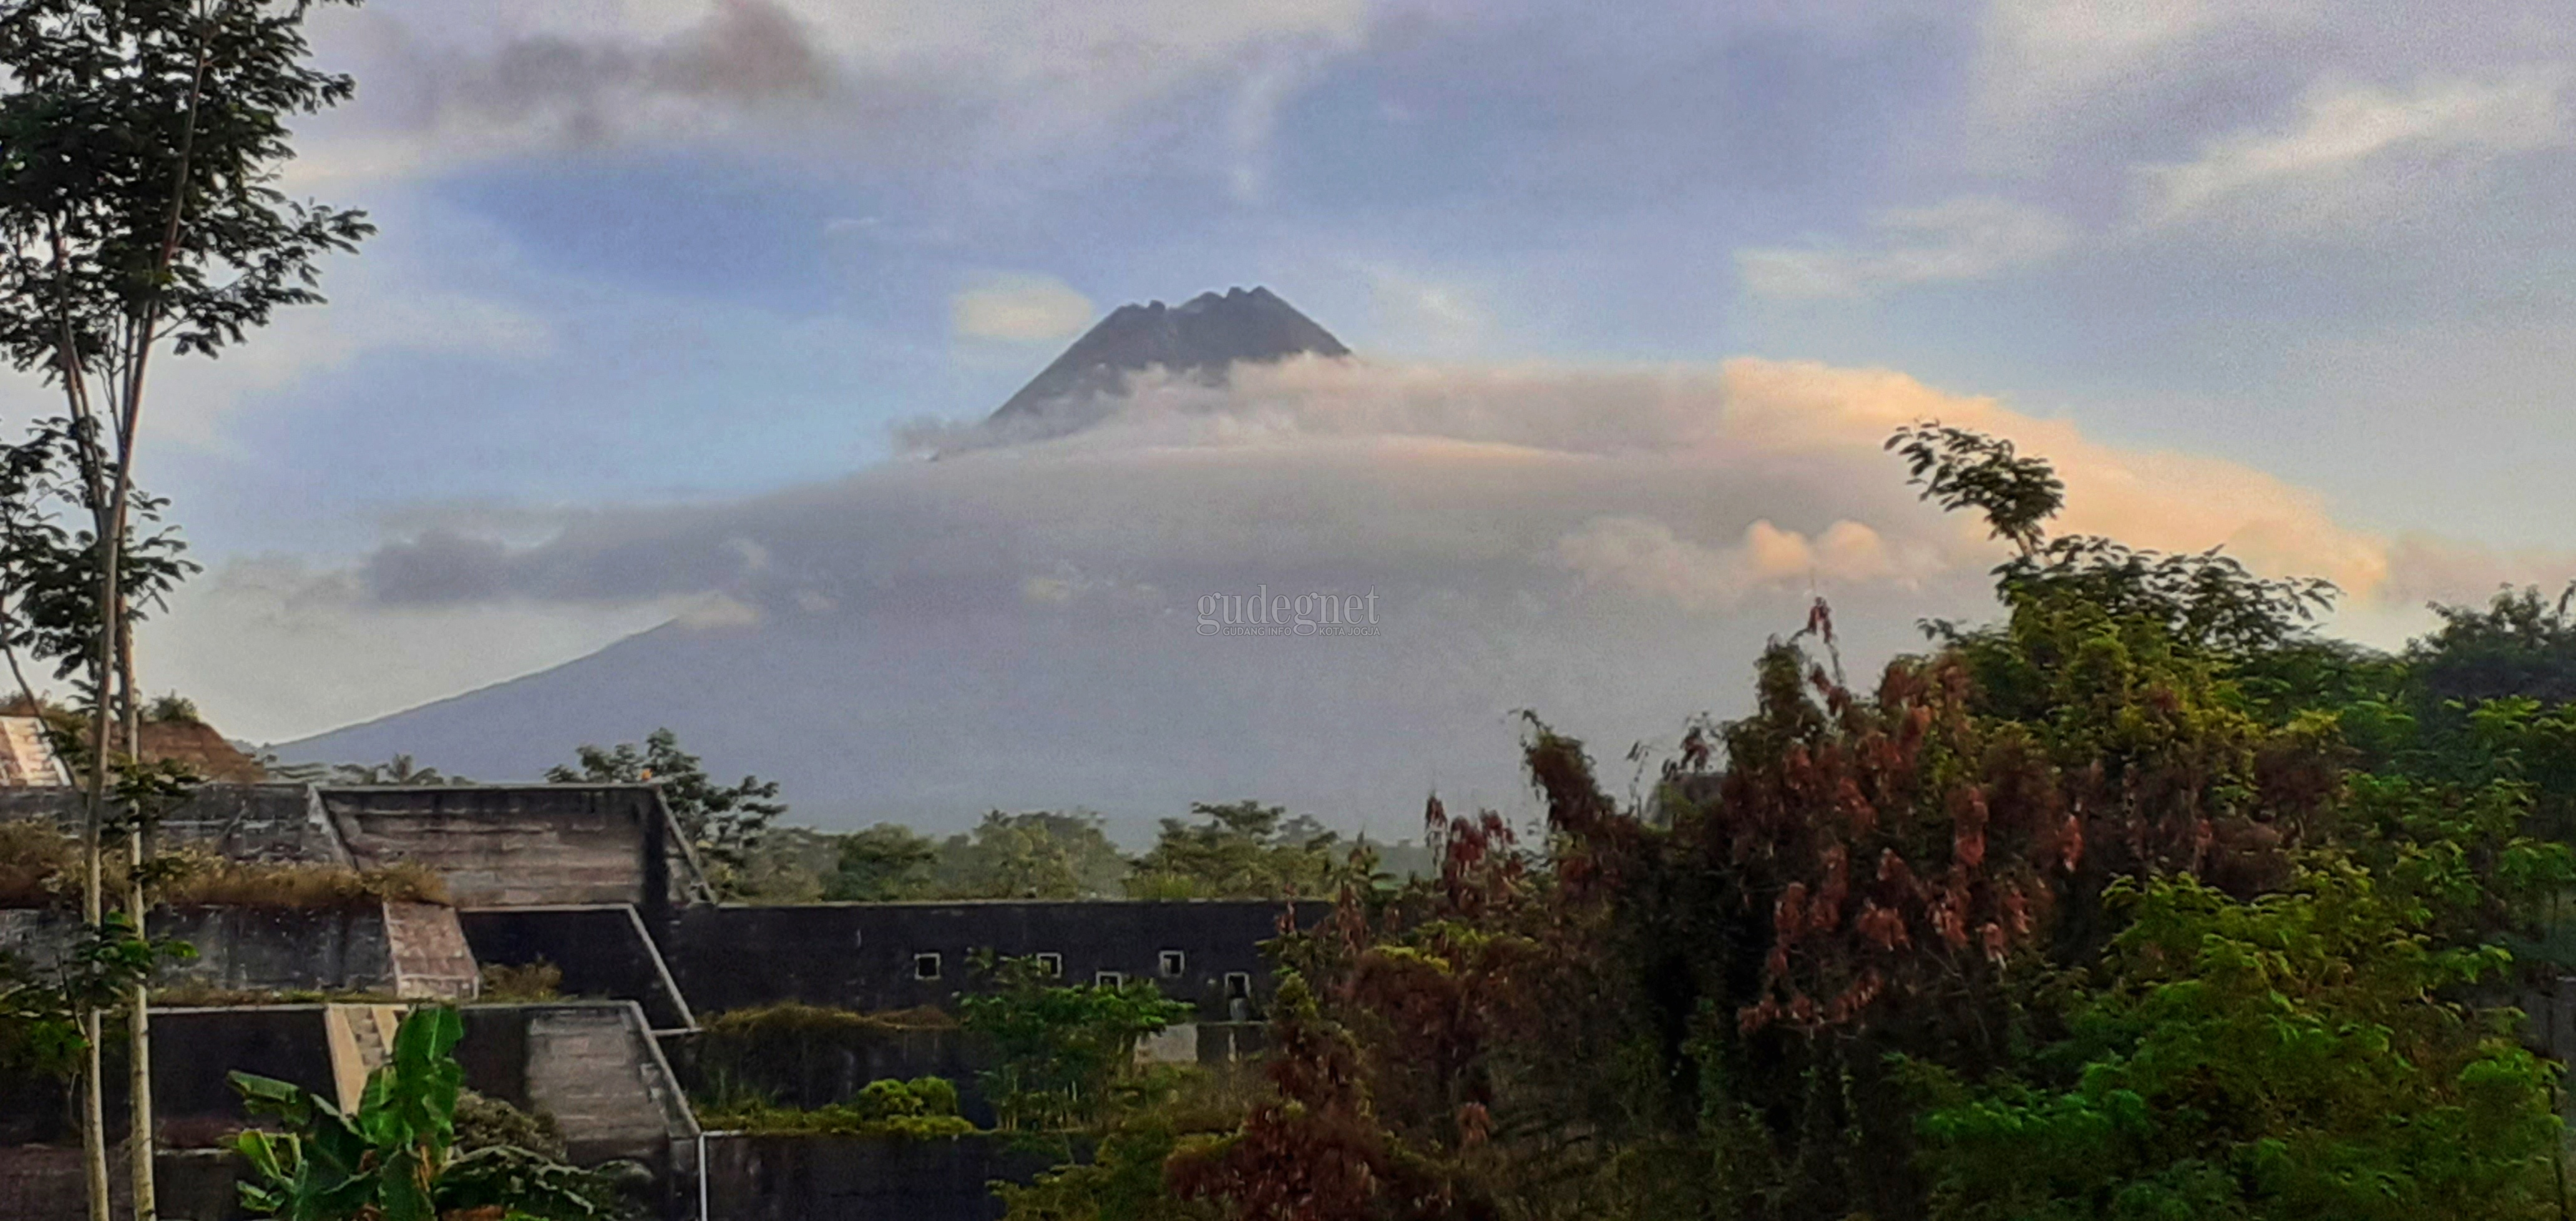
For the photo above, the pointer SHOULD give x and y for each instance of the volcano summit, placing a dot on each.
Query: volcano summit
(1201, 338)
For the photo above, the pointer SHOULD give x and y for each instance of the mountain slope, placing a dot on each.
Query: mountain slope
(1045, 625)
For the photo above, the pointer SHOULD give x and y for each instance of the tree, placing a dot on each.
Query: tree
(1243, 849)
(1058, 1049)
(1962, 469)
(2283, 1058)
(139, 144)
(722, 823)
(1037, 855)
(2141, 901)
(2519, 643)
(402, 770)
(885, 862)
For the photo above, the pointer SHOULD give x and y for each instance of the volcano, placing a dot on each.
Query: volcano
(1201, 338)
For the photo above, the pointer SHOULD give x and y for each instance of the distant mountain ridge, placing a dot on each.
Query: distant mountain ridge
(1202, 337)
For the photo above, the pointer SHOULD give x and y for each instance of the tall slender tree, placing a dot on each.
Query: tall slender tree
(140, 146)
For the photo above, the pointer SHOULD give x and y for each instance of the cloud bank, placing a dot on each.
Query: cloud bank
(1714, 494)
(1691, 483)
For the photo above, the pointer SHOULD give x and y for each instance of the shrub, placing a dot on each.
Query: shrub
(524, 983)
(205, 880)
(796, 1017)
(40, 867)
(919, 1109)
(484, 1122)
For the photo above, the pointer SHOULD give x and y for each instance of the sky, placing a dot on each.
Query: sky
(2284, 275)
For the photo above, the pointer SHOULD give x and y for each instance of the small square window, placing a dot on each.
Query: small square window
(1110, 979)
(1238, 984)
(925, 966)
(1172, 963)
(1051, 965)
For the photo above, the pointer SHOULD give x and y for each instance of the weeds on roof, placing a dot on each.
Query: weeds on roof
(40, 868)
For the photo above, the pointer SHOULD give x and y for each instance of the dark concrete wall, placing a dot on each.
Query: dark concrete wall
(245, 948)
(517, 846)
(852, 1178)
(603, 951)
(861, 955)
(193, 1053)
(251, 822)
(46, 1184)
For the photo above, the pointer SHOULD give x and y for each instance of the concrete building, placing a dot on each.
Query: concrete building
(597, 881)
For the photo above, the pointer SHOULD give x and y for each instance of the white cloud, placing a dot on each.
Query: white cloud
(1971, 238)
(1419, 316)
(1478, 472)
(1020, 309)
(2041, 52)
(2347, 132)
(1646, 556)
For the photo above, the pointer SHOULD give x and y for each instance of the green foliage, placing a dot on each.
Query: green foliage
(2519, 644)
(1039, 855)
(40, 1031)
(790, 1018)
(1242, 850)
(884, 862)
(1961, 469)
(764, 1056)
(395, 1157)
(1035, 855)
(790, 865)
(140, 145)
(401, 770)
(172, 707)
(484, 1122)
(521, 983)
(2283, 1058)
(1170, 1111)
(385, 1159)
(110, 108)
(48, 570)
(2144, 901)
(1059, 1050)
(40, 867)
(723, 823)
(920, 1109)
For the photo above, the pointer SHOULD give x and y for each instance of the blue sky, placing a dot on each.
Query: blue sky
(670, 252)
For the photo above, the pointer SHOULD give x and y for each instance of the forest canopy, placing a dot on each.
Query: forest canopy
(2143, 900)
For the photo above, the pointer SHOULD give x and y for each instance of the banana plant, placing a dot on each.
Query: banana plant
(391, 1159)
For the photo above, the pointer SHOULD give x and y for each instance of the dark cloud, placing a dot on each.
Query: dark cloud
(745, 55)
(438, 567)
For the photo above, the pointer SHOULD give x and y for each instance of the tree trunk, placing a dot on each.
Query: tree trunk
(103, 669)
(141, 1145)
